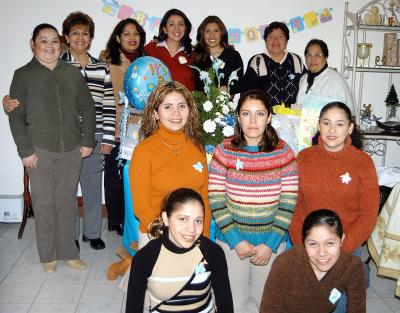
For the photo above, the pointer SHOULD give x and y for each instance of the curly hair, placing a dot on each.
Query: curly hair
(201, 48)
(186, 41)
(149, 123)
(113, 47)
(78, 18)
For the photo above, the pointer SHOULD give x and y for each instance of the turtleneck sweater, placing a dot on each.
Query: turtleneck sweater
(180, 279)
(155, 170)
(343, 181)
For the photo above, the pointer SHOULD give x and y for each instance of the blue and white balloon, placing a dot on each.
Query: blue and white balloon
(141, 77)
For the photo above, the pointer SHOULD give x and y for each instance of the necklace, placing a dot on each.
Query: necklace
(175, 150)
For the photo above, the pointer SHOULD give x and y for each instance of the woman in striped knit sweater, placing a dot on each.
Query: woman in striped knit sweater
(252, 191)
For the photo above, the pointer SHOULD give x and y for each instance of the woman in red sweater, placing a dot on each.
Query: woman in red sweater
(337, 175)
(173, 46)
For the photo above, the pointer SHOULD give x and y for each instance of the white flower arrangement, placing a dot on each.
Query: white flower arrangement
(217, 112)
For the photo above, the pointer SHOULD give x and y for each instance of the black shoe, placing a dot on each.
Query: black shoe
(96, 244)
(77, 245)
(118, 228)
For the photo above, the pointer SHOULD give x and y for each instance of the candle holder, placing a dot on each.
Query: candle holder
(363, 52)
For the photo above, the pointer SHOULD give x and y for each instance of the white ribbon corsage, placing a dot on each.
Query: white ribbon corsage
(198, 166)
(182, 60)
(345, 178)
(239, 164)
(200, 269)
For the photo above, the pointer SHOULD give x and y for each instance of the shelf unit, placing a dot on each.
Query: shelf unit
(354, 31)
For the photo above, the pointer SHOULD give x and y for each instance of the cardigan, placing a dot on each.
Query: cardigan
(97, 76)
(280, 80)
(344, 182)
(178, 64)
(233, 61)
(293, 287)
(328, 86)
(117, 78)
(180, 278)
(56, 111)
(252, 194)
(155, 171)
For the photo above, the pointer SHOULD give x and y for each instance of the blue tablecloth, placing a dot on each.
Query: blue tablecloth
(131, 227)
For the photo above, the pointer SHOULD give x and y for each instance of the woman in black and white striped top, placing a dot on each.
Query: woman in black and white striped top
(180, 269)
(78, 29)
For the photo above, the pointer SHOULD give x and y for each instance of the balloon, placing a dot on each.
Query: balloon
(141, 77)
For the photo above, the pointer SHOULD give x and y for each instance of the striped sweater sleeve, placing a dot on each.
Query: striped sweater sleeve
(217, 197)
(109, 110)
(287, 199)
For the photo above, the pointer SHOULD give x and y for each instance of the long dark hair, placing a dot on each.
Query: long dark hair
(202, 51)
(322, 217)
(113, 47)
(186, 42)
(270, 138)
(356, 136)
(170, 204)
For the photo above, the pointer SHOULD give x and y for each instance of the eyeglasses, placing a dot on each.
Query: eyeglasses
(318, 55)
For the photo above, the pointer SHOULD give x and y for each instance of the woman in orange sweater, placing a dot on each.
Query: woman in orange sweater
(170, 155)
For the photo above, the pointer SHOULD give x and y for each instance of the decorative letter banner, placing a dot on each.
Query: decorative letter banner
(249, 34)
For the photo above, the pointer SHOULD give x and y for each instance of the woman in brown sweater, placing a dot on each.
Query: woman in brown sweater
(313, 277)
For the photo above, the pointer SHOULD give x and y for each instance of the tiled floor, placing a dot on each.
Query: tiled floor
(24, 287)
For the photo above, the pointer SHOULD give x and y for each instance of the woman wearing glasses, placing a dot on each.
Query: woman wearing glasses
(321, 83)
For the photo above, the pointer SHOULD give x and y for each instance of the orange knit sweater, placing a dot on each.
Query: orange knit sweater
(344, 182)
(155, 171)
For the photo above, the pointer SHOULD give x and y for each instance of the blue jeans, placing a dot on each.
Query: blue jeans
(342, 304)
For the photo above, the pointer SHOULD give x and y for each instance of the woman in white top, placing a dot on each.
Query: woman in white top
(321, 84)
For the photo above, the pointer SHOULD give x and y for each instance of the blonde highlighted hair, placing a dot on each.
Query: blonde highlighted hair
(149, 122)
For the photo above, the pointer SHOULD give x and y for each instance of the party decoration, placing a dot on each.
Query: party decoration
(141, 77)
(251, 33)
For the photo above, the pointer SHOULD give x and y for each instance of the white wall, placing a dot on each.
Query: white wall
(18, 18)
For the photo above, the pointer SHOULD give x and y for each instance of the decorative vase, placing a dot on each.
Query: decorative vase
(392, 113)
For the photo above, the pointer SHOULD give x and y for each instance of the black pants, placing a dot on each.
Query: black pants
(114, 188)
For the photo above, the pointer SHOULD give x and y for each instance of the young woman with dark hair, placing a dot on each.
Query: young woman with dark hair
(173, 46)
(252, 192)
(212, 42)
(314, 276)
(180, 269)
(339, 176)
(125, 45)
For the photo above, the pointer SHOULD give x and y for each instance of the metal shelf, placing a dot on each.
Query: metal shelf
(376, 28)
(381, 69)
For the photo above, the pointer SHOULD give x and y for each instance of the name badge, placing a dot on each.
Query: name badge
(334, 296)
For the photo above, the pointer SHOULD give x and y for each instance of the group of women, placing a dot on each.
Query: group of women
(256, 189)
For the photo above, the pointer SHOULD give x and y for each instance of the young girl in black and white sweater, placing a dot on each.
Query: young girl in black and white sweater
(181, 268)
